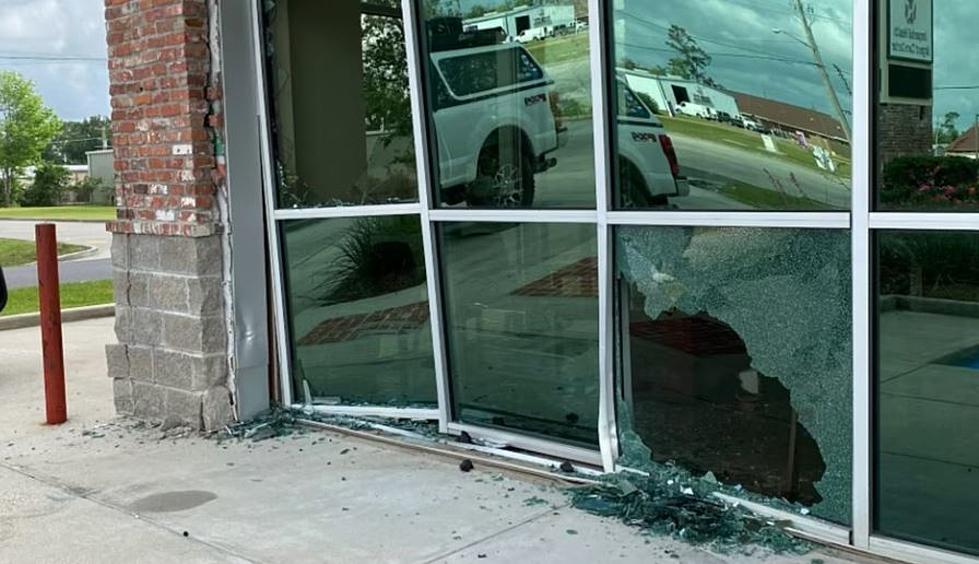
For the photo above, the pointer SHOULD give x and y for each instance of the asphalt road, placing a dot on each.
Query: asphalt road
(572, 182)
(97, 266)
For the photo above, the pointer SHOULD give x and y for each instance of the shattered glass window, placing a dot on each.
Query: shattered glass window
(735, 359)
(521, 308)
(358, 312)
(928, 388)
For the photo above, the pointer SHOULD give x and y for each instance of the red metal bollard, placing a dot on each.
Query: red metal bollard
(56, 406)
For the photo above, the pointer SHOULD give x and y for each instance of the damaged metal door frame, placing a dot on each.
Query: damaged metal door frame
(861, 221)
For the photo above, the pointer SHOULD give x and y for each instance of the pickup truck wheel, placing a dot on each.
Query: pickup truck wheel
(503, 180)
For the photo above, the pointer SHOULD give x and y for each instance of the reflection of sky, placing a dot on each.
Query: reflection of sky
(957, 59)
(749, 57)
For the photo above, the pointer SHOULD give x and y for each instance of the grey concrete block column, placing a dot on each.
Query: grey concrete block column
(171, 360)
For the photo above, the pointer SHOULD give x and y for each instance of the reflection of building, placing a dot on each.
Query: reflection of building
(790, 118)
(967, 145)
(671, 91)
(515, 21)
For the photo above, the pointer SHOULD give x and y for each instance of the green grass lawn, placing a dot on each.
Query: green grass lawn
(15, 252)
(77, 294)
(77, 213)
(751, 141)
(765, 199)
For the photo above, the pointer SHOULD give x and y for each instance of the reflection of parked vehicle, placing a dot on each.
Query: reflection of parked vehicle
(648, 166)
(494, 118)
(533, 34)
(753, 125)
(694, 110)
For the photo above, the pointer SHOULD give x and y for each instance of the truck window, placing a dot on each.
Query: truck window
(479, 72)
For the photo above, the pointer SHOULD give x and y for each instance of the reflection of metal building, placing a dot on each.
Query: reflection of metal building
(670, 91)
(514, 21)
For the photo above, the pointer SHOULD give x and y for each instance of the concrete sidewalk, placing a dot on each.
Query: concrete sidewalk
(103, 490)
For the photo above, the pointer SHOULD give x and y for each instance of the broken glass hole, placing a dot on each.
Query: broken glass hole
(698, 402)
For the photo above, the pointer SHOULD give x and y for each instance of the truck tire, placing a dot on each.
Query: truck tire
(504, 174)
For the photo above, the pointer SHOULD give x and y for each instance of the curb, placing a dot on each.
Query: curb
(86, 252)
(67, 315)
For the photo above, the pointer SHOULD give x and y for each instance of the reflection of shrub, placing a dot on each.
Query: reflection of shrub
(934, 265)
(570, 108)
(649, 101)
(377, 256)
(930, 182)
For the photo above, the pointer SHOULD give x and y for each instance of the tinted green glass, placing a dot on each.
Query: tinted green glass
(509, 95)
(341, 117)
(731, 105)
(358, 311)
(521, 308)
(736, 358)
(928, 106)
(928, 388)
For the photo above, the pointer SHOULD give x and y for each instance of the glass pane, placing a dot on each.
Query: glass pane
(928, 106)
(341, 117)
(928, 388)
(521, 307)
(509, 92)
(731, 105)
(358, 311)
(737, 359)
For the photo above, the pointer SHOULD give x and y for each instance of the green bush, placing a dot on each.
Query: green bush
(85, 189)
(50, 180)
(930, 181)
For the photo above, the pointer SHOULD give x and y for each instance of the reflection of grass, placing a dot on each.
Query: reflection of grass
(80, 294)
(766, 199)
(749, 140)
(560, 49)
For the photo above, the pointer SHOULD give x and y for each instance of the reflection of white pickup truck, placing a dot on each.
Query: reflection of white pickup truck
(493, 113)
(534, 34)
(649, 172)
(695, 110)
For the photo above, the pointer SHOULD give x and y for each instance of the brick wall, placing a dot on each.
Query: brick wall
(171, 361)
(903, 130)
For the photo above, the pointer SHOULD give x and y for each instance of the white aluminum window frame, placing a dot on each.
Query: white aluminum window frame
(861, 221)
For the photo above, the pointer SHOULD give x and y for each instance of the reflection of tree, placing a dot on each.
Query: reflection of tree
(691, 62)
(946, 132)
(385, 75)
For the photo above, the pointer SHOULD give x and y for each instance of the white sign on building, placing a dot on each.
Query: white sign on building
(910, 30)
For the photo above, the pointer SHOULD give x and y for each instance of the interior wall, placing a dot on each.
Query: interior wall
(326, 89)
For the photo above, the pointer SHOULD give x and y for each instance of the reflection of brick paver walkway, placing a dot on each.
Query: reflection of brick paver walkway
(340, 329)
(697, 335)
(578, 280)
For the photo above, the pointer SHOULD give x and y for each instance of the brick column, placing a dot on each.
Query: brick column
(168, 251)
